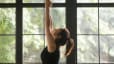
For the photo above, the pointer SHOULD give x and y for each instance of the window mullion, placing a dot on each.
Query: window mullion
(19, 44)
(71, 25)
(98, 35)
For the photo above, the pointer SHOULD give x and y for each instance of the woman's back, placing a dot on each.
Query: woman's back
(50, 58)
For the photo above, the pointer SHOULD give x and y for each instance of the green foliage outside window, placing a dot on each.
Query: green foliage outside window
(7, 43)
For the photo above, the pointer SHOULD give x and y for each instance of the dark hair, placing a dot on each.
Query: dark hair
(62, 41)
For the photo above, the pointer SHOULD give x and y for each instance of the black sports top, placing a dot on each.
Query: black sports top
(50, 58)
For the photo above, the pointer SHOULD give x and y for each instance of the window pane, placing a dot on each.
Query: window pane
(106, 20)
(62, 59)
(33, 46)
(106, 1)
(33, 1)
(87, 49)
(58, 17)
(87, 1)
(7, 49)
(33, 21)
(7, 21)
(58, 1)
(87, 20)
(42, 1)
(7, 1)
(107, 49)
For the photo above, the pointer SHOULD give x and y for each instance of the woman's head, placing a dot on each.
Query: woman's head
(61, 36)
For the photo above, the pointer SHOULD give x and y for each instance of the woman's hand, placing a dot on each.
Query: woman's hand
(48, 3)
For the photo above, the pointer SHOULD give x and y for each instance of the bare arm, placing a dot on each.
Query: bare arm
(50, 39)
(51, 25)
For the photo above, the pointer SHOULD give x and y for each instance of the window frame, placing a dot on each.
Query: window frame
(95, 5)
(71, 22)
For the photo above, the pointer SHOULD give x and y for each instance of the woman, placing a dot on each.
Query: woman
(55, 39)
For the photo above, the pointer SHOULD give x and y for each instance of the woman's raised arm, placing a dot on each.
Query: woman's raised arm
(50, 40)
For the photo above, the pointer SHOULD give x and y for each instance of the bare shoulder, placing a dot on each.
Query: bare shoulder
(51, 48)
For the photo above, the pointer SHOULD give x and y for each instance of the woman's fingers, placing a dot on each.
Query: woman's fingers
(48, 3)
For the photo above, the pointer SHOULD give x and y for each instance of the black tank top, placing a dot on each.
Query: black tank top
(50, 58)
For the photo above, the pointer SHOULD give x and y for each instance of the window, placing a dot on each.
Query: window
(88, 49)
(106, 37)
(22, 30)
(33, 32)
(88, 17)
(7, 35)
(85, 17)
(90, 22)
(106, 1)
(87, 1)
(95, 31)
(42, 1)
(7, 1)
